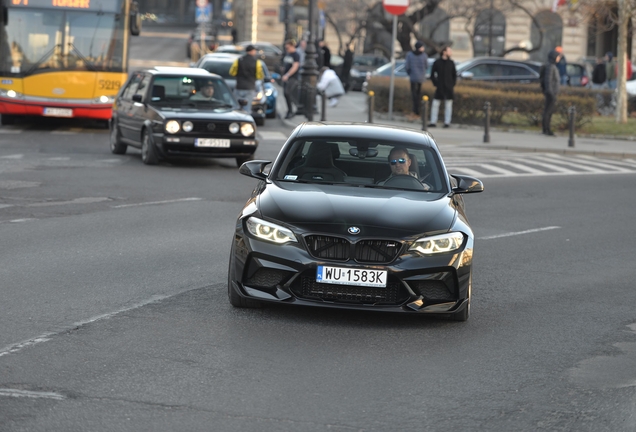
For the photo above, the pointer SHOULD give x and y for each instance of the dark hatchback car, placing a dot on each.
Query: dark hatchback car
(361, 65)
(331, 225)
(495, 69)
(175, 112)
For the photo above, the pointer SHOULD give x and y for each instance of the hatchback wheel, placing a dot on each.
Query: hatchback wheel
(116, 146)
(148, 150)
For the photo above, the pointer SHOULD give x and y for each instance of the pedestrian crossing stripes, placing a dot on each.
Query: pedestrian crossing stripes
(493, 164)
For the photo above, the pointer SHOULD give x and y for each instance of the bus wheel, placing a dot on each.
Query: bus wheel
(148, 150)
(7, 119)
(116, 145)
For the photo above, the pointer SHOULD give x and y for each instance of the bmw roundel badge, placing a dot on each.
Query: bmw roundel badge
(354, 230)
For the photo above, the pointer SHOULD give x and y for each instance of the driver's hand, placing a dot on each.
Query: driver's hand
(427, 187)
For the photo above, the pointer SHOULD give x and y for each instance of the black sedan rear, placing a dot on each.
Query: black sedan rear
(332, 224)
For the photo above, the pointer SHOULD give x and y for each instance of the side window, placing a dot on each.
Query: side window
(132, 86)
(142, 88)
(509, 70)
(482, 70)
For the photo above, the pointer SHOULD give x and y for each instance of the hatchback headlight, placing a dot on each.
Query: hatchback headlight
(188, 126)
(259, 96)
(234, 128)
(438, 244)
(355, 73)
(173, 127)
(269, 92)
(247, 129)
(269, 231)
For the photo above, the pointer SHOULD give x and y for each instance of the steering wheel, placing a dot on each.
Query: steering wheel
(404, 181)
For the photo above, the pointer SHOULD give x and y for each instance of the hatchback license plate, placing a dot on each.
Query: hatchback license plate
(212, 142)
(350, 276)
(58, 112)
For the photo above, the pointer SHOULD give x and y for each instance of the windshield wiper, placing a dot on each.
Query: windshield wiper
(42, 59)
(89, 65)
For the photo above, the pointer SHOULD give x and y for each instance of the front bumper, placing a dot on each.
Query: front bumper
(27, 108)
(287, 274)
(184, 147)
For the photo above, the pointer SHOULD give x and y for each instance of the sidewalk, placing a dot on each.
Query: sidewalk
(353, 108)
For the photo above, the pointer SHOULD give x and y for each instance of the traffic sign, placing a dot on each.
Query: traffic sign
(203, 12)
(395, 7)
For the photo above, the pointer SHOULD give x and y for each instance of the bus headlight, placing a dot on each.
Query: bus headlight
(234, 128)
(172, 127)
(103, 99)
(10, 94)
(188, 126)
(247, 129)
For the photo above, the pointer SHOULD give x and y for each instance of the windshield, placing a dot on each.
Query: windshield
(191, 91)
(219, 68)
(38, 41)
(361, 163)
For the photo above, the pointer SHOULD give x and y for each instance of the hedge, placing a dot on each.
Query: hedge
(469, 101)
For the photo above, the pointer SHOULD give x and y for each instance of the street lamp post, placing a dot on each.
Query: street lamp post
(309, 74)
(287, 11)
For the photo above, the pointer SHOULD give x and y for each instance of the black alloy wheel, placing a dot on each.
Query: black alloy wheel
(148, 150)
(116, 146)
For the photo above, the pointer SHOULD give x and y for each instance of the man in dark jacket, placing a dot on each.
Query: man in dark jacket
(346, 67)
(550, 79)
(599, 74)
(325, 54)
(444, 77)
(247, 70)
(415, 65)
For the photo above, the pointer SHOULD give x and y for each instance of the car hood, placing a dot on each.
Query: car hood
(377, 212)
(204, 114)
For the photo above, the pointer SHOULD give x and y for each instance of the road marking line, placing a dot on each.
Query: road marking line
(85, 200)
(499, 170)
(157, 202)
(164, 35)
(271, 135)
(465, 170)
(597, 163)
(19, 346)
(15, 156)
(30, 394)
(510, 234)
(521, 167)
(10, 131)
(553, 167)
(5, 205)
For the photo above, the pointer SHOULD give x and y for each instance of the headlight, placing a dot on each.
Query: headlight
(438, 244)
(269, 231)
(10, 94)
(103, 99)
(188, 126)
(354, 73)
(234, 127)
(172, 127)
(259, 96)
(269, 92)
(247, 129)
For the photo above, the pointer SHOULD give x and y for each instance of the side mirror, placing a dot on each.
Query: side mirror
(467, 184)
(137, 98)
(254, 169)
(242, 102)
(467, 75)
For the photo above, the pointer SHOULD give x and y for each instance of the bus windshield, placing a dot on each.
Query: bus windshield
(44, 40)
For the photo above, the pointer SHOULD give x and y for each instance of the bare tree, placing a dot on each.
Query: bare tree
(608, 14)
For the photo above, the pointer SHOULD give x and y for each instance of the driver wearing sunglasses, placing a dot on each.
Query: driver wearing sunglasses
(400, 164)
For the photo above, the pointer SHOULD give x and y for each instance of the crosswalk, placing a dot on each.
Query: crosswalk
(504, 163)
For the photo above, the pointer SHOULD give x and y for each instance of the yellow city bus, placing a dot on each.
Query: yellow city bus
(63, 58)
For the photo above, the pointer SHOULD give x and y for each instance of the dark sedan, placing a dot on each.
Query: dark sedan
(495, 69)
(172, 112)
(345, 219)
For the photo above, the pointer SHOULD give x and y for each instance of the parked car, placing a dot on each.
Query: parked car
(496, 69)
(385, 70)
(579, 74)
(162, 111)
(361, 65)
(220, 64)
(271, 55)
(322, 229)
(230, 49)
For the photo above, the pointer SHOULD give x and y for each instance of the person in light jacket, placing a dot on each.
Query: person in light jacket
(330, 86)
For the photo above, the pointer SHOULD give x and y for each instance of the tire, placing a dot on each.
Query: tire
(272, 114)
(148, 150)
(235, 299)
(242, 159)
(116, 146)
(7, 119)
(463, 315)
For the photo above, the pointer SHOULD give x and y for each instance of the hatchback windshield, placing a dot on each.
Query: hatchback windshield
(362, 163)
(196, 90)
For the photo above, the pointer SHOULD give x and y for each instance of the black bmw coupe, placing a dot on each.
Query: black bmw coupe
(180, 112)
(355, 216)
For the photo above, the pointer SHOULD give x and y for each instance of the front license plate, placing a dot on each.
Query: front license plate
(58, 112)
(211, 142)
(350, 276)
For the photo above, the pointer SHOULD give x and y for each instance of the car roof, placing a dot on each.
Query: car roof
(370, 131)
(175, 70)
(221, 57)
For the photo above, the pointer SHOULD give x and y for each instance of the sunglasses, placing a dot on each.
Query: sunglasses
(400, 160)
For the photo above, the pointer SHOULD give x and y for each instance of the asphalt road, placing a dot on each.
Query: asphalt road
(114, 313)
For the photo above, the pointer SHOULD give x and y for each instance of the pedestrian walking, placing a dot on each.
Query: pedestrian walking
(599, 75)
(346, 67)
(325, 53)
(610, 63)
(550, 79)
(562, 66)
(291, 66)
(247, 69)
(415, 65)
(330, 86)
(444, 77)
